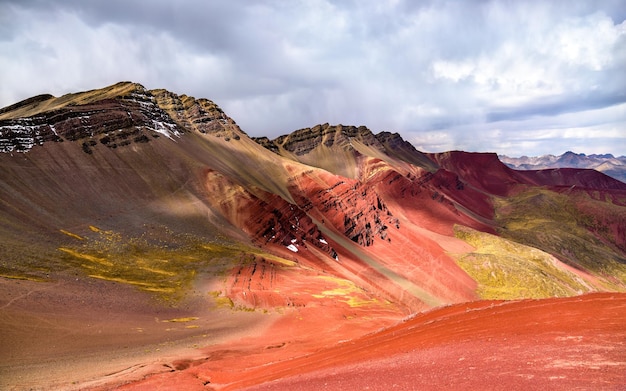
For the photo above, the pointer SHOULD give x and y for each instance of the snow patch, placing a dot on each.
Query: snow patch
(293, 248)
(20, 137)
(165, 129)
(323, 241)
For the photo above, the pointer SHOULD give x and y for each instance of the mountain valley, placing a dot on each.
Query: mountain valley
(145, 230)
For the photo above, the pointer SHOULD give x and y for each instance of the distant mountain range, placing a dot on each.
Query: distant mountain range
(606, 163)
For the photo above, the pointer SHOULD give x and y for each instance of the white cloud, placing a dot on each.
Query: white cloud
(433, 141)
(444, 74)
(564, 59)
(591, 131)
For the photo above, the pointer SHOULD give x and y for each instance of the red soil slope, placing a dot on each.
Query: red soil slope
(557, 344)
(482, 170)
(588, 179)
(327, 235)
(488, 173)
(342, 228)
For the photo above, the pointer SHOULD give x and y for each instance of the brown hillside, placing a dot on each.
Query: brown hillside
(145, 229)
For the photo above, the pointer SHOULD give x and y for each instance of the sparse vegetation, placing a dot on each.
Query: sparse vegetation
(221, 301)
(161, 267)
(560, 225)
(509, 270)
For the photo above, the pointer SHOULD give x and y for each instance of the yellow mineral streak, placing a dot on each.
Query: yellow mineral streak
(346, 289)
(73, 235)
(87, 257)
(182, 320)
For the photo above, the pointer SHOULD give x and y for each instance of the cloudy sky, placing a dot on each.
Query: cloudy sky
(513, 77)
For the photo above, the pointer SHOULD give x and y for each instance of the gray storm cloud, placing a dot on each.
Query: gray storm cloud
(523, 77)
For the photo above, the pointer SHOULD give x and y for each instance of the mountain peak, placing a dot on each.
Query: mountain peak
(114, 116)
(302, 141)
(338, 147)
(46, 102)
(29, 102)
(200, 115)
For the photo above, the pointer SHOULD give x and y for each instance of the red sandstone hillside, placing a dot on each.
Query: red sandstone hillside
(201, 236)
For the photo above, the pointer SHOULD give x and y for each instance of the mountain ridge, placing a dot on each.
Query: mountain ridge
(606, 163)
(165, 194)
(453, 183)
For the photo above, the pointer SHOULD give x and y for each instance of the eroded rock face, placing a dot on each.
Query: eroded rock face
(20, 135)
(266, 143)
(304, 140)
(266, 218)
(201, 115)
(350, 206)
(292, 208)
(133, 117)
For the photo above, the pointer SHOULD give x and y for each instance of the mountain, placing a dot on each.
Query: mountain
(606, 163)
(145, 229)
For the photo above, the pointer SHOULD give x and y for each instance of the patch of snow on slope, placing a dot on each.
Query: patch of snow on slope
(164, 128)
(20, 137)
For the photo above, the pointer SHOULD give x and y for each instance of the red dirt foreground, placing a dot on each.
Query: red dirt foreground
(573, 343)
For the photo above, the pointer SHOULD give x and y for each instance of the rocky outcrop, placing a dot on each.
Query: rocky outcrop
(266, 218)
(369, 186)
(304, 140)
(22, 134)
(265, 142)
(131, 117)
(127, 114)
(350, 206)
(200, 115)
